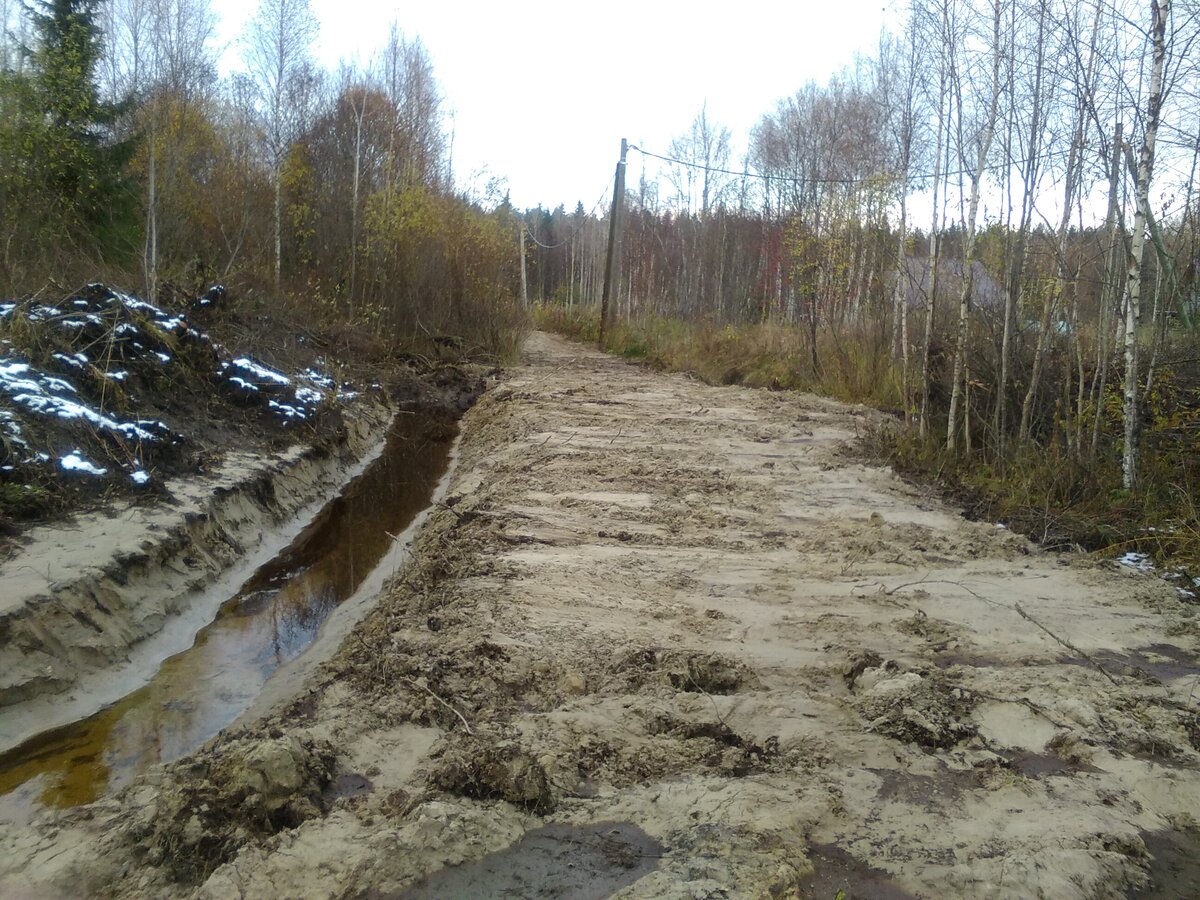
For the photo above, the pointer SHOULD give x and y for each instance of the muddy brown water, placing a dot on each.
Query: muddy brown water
(837, 873)
(566, 862)
(271, 620)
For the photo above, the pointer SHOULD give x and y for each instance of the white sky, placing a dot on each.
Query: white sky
(542, 94)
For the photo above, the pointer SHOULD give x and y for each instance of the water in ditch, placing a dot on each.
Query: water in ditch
(269, 622)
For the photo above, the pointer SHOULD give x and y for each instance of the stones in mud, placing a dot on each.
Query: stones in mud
(238, 791)
(926, 709)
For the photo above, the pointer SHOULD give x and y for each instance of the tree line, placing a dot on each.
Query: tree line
(124, 154)
(1000, 201)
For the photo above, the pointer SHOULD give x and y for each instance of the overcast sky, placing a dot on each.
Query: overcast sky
(542, 94)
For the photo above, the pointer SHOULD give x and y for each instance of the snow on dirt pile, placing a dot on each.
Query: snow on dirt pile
(104, 389)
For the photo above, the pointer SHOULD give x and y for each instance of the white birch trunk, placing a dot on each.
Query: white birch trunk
(1160, 10)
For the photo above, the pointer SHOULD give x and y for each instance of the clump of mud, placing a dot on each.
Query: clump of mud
(476, 767)
(238, 792)
(926, 709)
(683, 670)
(718, 746)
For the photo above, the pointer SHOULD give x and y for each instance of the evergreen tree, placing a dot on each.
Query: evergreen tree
(72, 138)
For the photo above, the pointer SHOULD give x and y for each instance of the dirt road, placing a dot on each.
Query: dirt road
(671, 640)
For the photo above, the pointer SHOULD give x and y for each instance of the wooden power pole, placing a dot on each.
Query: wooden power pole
(612, 268)
(524, 283)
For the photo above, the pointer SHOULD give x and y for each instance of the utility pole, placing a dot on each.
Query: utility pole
(524, 284)
(612, 268)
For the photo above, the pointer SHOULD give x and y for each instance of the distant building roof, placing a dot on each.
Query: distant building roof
(915, 280)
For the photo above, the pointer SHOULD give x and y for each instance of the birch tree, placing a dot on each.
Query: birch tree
(277, 47)
(1160, 11)
(982, 147)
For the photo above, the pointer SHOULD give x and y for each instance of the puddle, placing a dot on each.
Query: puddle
(926, 790)
(1174, 868)
(1156, 662)
(1044, 765)
(565, 862)
(838, 874)
(272, 619)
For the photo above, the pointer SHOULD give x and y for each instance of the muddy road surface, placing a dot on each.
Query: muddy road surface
(669, 640)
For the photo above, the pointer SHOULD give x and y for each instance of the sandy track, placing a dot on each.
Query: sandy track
(684, 617)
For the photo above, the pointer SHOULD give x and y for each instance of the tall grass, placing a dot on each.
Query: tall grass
(766, 355)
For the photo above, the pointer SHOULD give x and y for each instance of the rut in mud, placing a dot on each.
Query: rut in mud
(677, 640)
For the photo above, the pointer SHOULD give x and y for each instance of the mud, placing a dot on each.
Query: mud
(687, 610)
(570, 863)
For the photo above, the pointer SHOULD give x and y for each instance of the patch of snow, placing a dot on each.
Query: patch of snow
(141, 476)
(244, 384)
(12, 428)
(308, 395)
(286, 410)
(49, 404)
(117, 376)
(76, 462)
(58, 384)
(317, 378)
(1139, 561)
(164, 358)
(72, 361)
(260, 371)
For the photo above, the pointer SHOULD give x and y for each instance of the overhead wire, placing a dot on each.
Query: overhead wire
(578, 228)
(846, 181)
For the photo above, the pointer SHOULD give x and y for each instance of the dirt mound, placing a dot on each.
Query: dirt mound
(105, 392)
(682, 670)
(926, 709)
(498, 769)
(221, 799)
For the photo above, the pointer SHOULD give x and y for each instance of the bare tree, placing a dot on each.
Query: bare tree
(277, 52)
(1160, 11)
(981, 143)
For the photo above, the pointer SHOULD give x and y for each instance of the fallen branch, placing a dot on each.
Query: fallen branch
(1064, 642)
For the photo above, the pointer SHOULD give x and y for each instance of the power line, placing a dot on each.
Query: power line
(578, 228)
(1057, 154)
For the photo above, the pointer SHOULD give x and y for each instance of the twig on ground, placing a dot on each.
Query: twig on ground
(1064, 642)
(427, 690)
(1024, 701)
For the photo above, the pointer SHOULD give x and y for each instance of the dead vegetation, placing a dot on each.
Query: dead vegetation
(236, 792)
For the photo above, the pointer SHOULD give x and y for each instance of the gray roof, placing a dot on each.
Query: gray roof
(985, 292)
